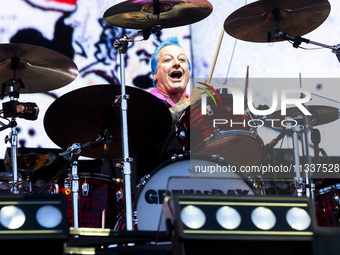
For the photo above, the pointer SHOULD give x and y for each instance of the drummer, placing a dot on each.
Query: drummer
(170, 68)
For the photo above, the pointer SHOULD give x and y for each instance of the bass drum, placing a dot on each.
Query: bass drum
(155, 187)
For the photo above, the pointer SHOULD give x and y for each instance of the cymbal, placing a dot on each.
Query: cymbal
(320, 115)
(80, 116)
(39, 68)
(173, 13)
(252, 22)
(31, 161)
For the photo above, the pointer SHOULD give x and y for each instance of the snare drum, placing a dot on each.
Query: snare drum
(327, 203)
(236, 141)
(99, 200)
(153, 188)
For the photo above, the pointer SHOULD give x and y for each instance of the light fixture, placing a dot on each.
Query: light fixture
(239, 223)
(28, 221)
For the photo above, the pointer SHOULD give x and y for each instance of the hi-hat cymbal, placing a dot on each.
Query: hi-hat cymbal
(31, 161)
(252, 22)
(39, 68)
(80, 116)
(320, 115)
(172, 13)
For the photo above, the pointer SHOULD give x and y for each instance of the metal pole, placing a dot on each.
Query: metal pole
(75, 193)
(125, 147)
(14, 150)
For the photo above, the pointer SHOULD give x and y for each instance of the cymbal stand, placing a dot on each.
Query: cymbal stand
(296, 130)
(75, 150)
(297, 40)
(305, 151)
(13, 138)
(121, 45)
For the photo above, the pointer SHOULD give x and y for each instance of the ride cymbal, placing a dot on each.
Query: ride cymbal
(320, 115)
(139, 14)
(80, 116)
(40, 69)
(257, 21)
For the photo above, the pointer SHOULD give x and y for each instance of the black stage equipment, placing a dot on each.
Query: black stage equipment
(34, 224)
(240, 224)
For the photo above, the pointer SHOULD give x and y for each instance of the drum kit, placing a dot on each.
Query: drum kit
(114, 121)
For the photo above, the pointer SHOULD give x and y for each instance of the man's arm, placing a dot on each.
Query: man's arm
(177, 109)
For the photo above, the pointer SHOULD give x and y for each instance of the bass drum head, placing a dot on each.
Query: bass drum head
(149, 200)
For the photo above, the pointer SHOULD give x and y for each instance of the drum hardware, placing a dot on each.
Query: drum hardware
(143, 181)
(75, 190)
(145, 13)
(299, 181)
(121, 45)
(13, 112)
(258, 185)
(85, 189)
(26, 69)
(253, 22)
(29, 163)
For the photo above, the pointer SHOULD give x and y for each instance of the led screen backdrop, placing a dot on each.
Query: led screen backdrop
(76, 29)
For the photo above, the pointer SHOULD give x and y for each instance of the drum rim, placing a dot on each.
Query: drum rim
(96, 176)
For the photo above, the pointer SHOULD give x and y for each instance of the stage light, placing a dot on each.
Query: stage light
(49, 216)
(193, 217)
(12, 217)
(228, 217)
(263, 218)
(298, 218)
(33, 220)
(272, 225)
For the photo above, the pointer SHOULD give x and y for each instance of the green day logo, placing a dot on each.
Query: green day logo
(238, 102)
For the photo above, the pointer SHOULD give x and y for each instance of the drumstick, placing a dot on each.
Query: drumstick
(216, 55)
(247, 84)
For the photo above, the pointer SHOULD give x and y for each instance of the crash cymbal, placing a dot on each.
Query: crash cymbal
(139, 14)
(31, 161)
(40, 69)
(80, 116)
(296, 18)
(320, 115)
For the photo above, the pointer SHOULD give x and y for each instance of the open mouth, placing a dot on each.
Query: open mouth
(176, 75)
